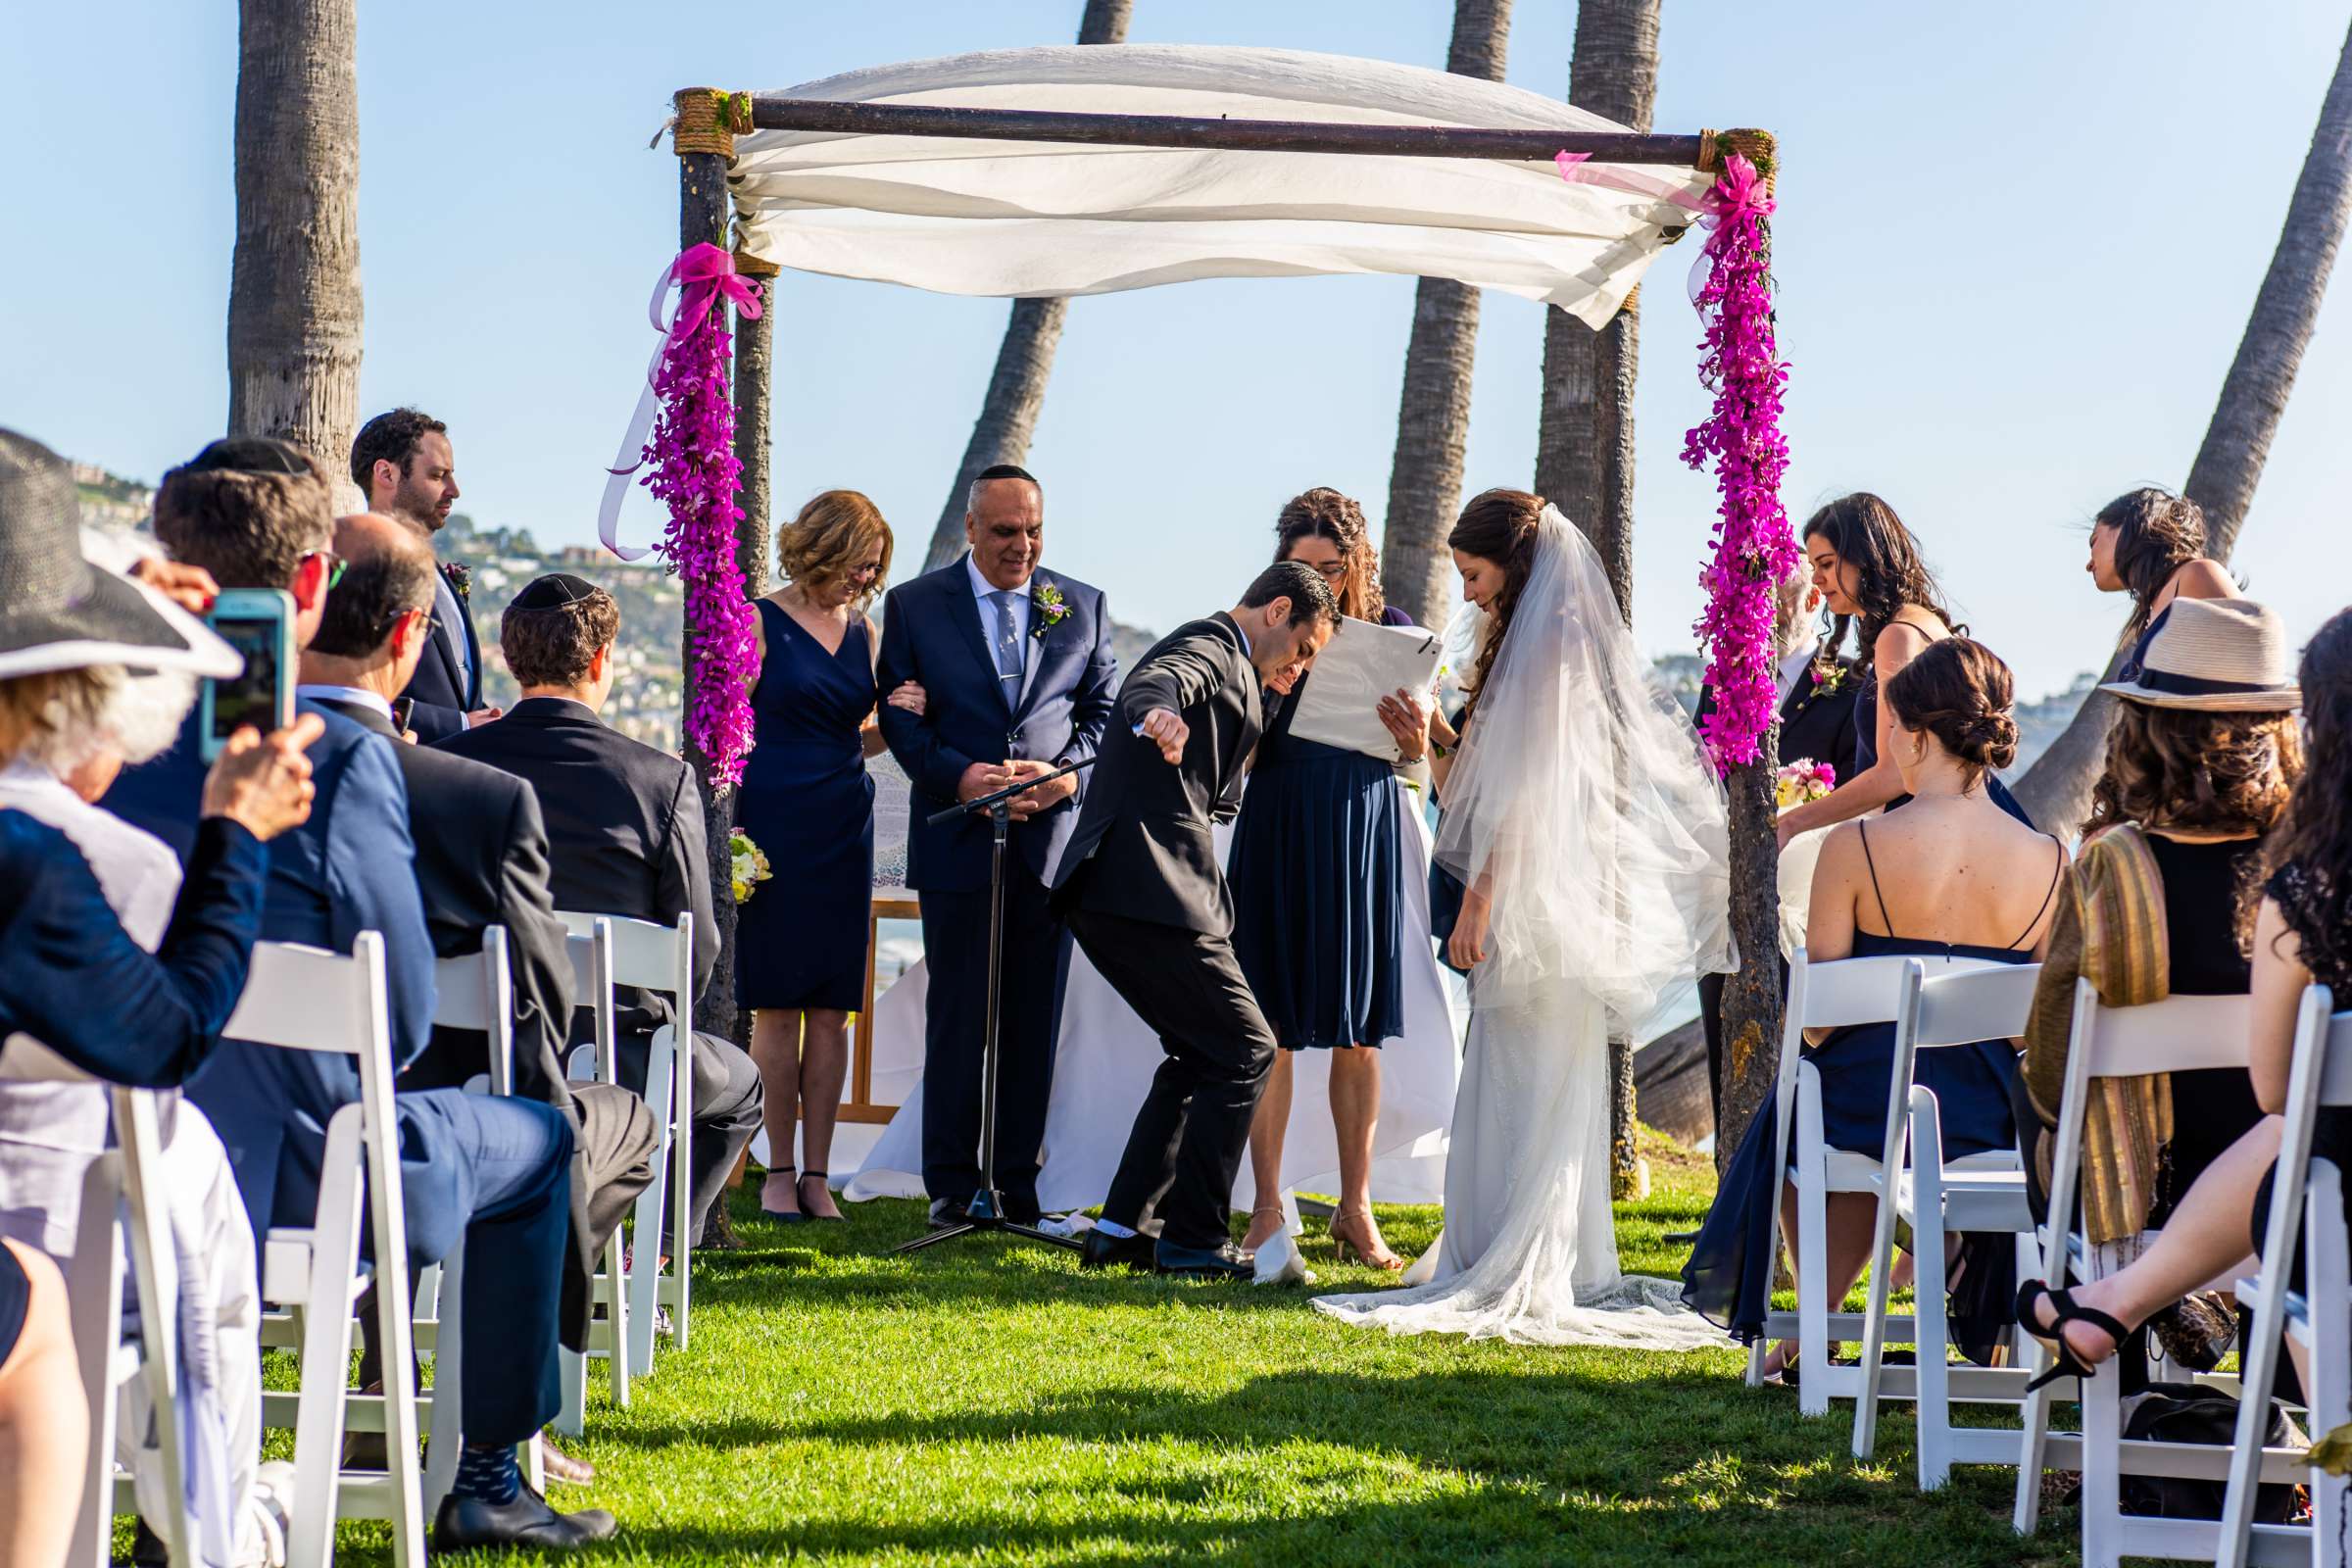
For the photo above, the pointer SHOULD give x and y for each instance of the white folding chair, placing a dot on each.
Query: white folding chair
(1938, 1199)
(2307, 1195)
(471, 991)
(122, 1213)
(591, 954)
(303, 999)
(661, 958)
(1826, 996)
(2179, 1034)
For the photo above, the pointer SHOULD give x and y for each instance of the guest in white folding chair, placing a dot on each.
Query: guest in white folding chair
(1951, 874)
(74, 977)
(2302, 933)
(492, 1171)
(481, 860)
(2198, 771)
(625, 836)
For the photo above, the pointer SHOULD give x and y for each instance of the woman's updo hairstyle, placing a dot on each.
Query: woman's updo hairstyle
(1497, 525)
(1325, 514)
(2156, 534)
(832, 534)
(1959, 691)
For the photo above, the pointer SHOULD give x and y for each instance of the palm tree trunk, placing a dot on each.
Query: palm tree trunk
(294, 308)
(1433, 420)
(1584, 434)
(2056, 789)
(1016, 389)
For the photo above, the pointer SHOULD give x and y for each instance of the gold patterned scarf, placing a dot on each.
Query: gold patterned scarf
(2110, 930)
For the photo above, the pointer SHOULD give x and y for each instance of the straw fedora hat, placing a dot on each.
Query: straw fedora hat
(56, 612)
(2225, 656)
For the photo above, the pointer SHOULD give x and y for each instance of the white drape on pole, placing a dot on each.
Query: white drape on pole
(1044, 218)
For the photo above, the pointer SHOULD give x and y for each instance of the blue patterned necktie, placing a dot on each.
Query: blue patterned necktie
(1009, 638)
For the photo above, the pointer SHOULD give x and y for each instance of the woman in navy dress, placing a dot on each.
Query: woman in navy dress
(1868, 568)
(807, 801)
(1949, 876)
(1317, 875)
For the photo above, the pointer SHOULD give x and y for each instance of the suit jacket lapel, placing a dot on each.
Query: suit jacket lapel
(1229, 788)
(964, 610)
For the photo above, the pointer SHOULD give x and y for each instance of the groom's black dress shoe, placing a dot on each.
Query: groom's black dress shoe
(466, 1523)
(947, 1212)
(1224, 1261)
(1679, 1237)
(1102, 1250)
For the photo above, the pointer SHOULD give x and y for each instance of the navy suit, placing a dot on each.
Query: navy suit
(932, 633)
(443, 689)
(496, 1170)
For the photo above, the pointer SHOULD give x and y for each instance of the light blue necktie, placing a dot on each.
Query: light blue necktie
(1009, 639)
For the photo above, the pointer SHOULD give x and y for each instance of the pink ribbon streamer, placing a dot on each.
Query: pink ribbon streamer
(702, 274)
(1738, 193)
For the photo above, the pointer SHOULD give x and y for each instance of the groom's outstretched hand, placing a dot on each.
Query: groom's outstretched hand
(1168, 730)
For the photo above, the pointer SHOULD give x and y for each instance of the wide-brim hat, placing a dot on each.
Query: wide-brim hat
(56, 612)
(2224, 655)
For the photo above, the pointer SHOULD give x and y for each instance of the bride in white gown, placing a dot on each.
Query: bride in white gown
(1590, 831)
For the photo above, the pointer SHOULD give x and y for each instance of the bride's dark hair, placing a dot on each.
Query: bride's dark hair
(1497, 525)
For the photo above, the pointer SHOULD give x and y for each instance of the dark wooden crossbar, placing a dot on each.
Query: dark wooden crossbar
(1247, 136)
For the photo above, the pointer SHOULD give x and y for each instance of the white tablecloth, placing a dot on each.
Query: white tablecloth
(1107, 1057)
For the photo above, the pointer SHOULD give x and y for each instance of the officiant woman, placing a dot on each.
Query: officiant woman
(807, 800)
(1319, 894)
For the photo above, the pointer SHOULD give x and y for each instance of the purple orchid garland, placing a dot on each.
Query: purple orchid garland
(1754, 548)
(691, 454)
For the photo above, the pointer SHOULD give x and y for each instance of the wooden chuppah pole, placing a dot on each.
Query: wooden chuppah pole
(1223, 135)
(704, 139)
(755, 340)
(1752, 995)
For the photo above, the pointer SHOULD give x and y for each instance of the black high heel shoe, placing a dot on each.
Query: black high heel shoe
(2066, 1364)
(800, 1192)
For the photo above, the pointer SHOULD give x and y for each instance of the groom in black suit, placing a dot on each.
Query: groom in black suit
(1016, 665)
(1149, 903)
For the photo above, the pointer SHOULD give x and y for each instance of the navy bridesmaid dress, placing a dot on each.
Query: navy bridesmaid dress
(807, 800)
(1318, 888)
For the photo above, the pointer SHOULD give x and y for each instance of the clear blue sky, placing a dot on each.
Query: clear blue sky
(2017, 242)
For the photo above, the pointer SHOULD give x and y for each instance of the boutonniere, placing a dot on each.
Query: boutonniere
(461, 578)
(1827, 682)
(1049, 609)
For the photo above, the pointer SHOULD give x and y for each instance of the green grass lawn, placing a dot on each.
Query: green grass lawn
(984, 1401)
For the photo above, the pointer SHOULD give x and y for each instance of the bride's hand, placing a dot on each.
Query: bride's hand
(1466, 948)
(1408, 722)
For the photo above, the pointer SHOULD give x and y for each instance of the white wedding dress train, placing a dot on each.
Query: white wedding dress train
(1529, 1252)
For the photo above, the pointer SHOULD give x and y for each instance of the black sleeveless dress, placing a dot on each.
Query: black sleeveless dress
(1729, 1277)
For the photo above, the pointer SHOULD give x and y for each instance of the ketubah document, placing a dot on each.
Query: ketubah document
(1363, 663)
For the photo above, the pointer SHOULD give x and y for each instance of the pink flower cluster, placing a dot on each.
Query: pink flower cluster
(1741, 437)
(695, 470)
(1801, 781)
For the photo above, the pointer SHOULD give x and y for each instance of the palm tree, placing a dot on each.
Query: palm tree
(1433, 419)
(1584, 435)
(2056, 789)
(1016, 389)
(294, 288)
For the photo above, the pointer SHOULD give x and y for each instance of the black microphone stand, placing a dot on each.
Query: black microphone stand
(986, 1212)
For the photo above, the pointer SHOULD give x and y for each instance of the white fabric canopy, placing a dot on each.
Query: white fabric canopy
(1046, 218)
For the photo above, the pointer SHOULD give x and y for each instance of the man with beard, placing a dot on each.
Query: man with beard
(403, 463)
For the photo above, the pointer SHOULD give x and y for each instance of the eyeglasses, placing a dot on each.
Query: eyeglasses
(1333, 570)
(336, 565)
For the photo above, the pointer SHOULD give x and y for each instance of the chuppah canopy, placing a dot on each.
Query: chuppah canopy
(1042, 218)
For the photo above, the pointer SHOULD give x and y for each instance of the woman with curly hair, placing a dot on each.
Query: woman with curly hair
(807, 801)
(2301, 911)
(2150, 543)
(2199, 771)
(1319, 895)
(1870, 573)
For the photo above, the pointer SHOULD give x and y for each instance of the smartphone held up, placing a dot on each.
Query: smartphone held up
(259, 624)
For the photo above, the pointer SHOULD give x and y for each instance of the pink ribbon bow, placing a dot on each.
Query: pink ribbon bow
(1738, 193)
(701, 273)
